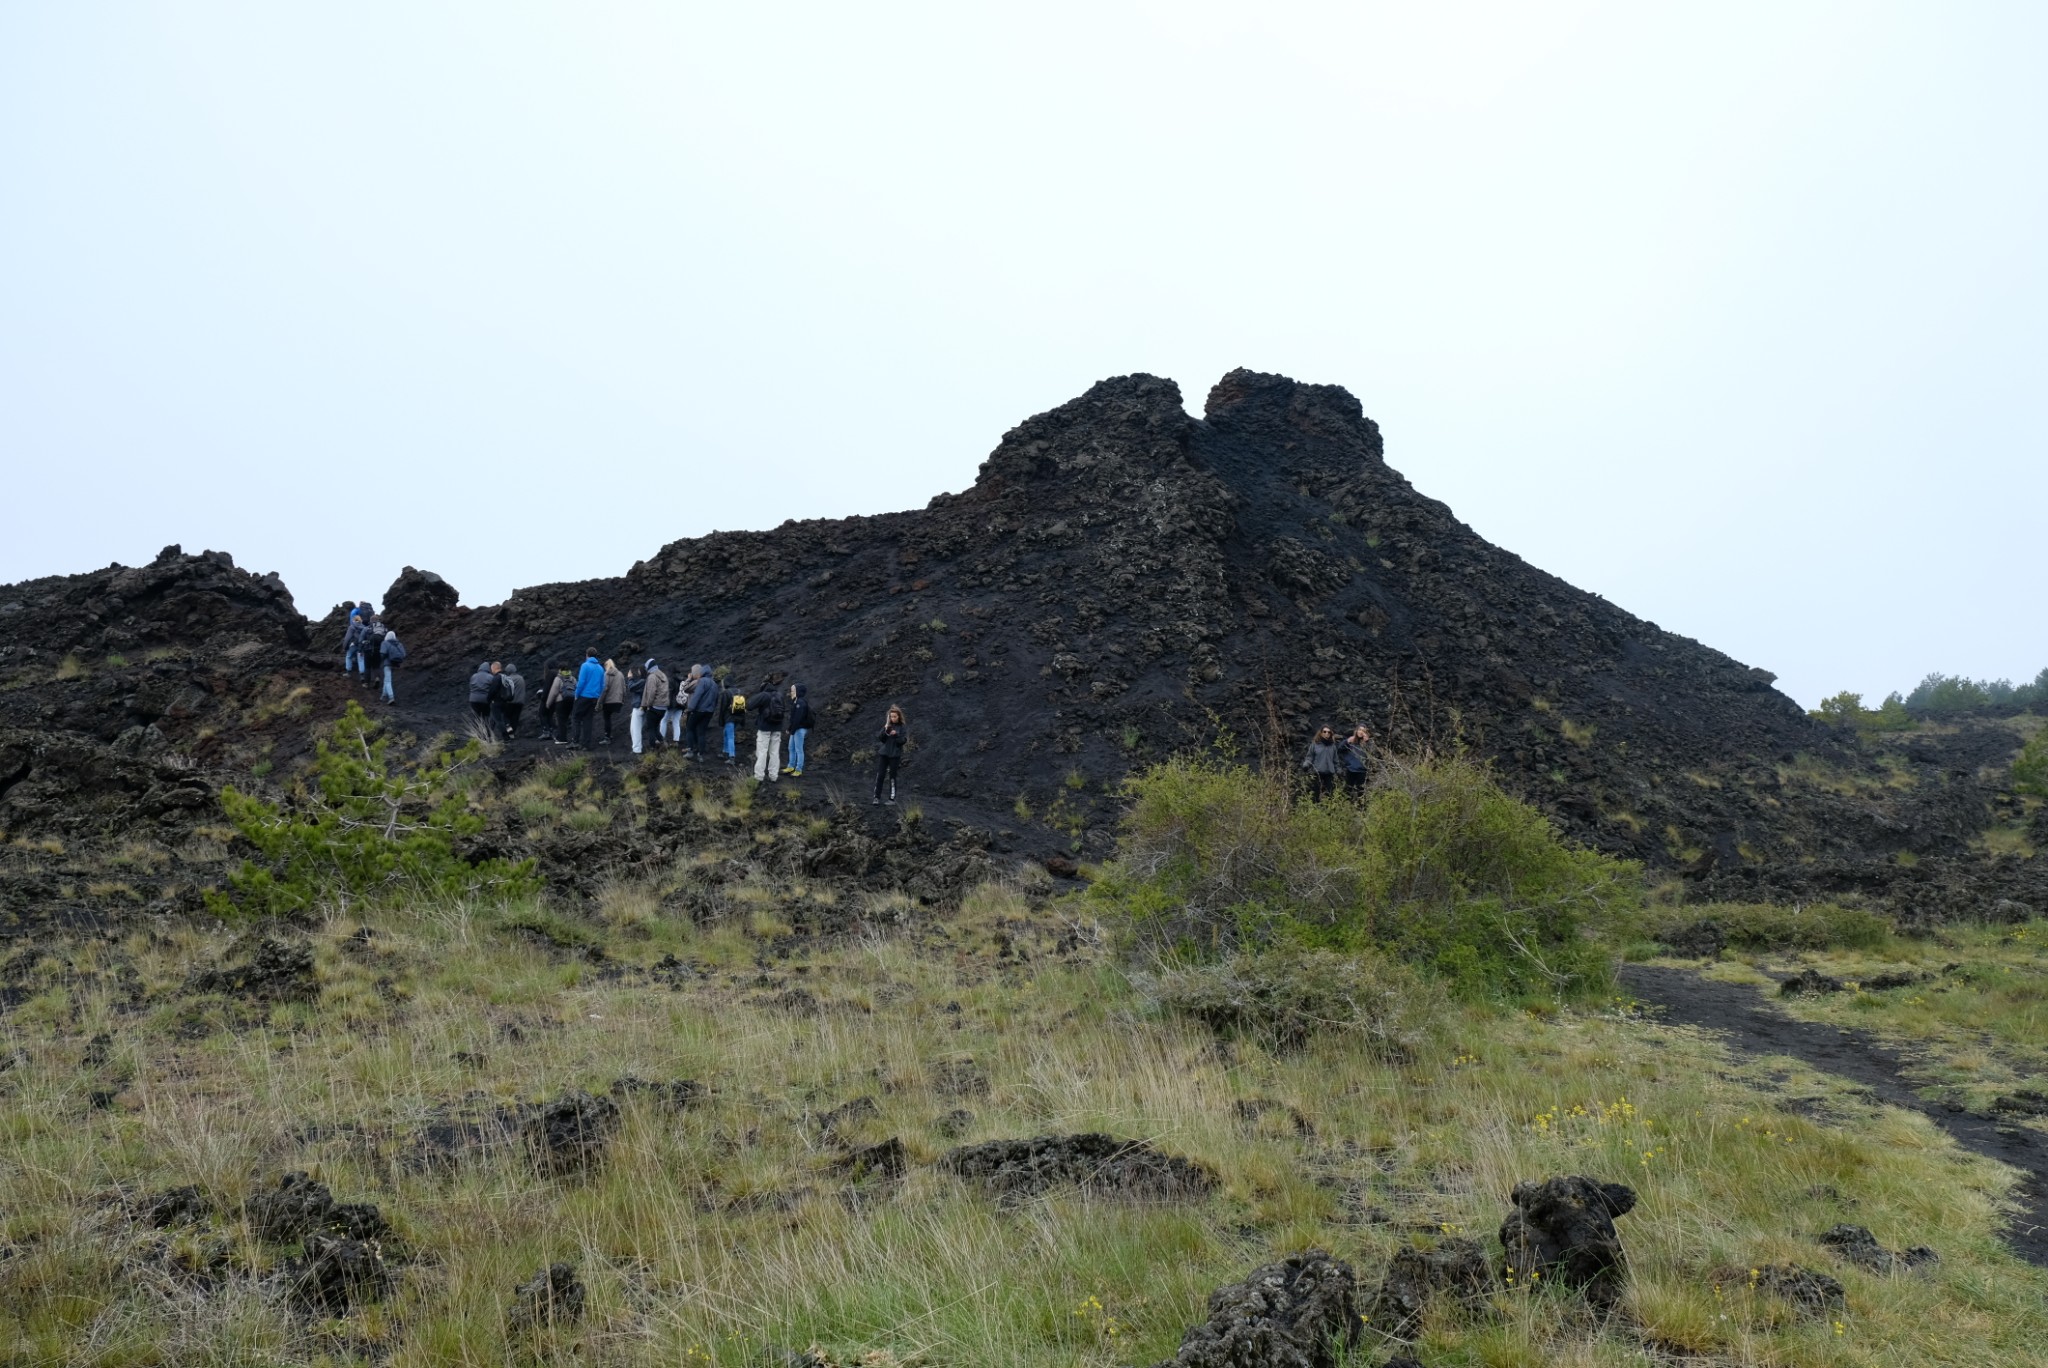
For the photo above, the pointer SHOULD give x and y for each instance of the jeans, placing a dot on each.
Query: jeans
(672, 725)
(767, 751)
(730, 753)
(389, 697)
(638, 729)
(886, 767)
(796, 747)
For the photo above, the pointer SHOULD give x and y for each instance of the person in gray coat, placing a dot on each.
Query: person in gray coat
(483, 691)
(511, 696)
(1322, 763)
(654, 694)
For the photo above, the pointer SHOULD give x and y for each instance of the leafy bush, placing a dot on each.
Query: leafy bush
(2030, 769)
(366, 828)
(1285, 996)
(1767, 926)
(1846, 709)
(1437, 865)
(1941, 695)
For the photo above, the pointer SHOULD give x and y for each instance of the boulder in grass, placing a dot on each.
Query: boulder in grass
(1562, 1230)
(1301, 1312)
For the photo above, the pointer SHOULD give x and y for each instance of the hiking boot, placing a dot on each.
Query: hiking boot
(878, 802)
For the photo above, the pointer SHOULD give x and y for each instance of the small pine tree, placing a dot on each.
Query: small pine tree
(366, 829)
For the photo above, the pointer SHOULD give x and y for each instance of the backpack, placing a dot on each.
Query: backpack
(394, 649)
(739, 705)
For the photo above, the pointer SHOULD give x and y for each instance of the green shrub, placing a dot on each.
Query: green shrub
(2030, 770)
(1846, 709)
(1768, 926)
(364, 828)
(1437, 865)
(1286, 996)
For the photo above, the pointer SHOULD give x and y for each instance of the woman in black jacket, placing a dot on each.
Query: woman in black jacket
(889, 752)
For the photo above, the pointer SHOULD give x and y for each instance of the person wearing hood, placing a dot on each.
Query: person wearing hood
(653, 702)
(614, 697)
(353, 659)
(589, 689)
(765, 711)
(889, 752)
(798, 725)
(483, 690)
(1322, 764)
(512, 697)
(390, 650)
(703, 706)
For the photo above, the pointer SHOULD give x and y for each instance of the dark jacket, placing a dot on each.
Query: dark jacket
(388, 646)
(704, 695)
(483, 686)
(799, 712)
(357, 630)
(1353, 755)
(1321, 758)
(513, 685)
(890, 743)
(765, 708)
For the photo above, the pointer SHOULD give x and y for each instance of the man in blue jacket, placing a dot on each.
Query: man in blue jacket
(589, 688)
(703, 704)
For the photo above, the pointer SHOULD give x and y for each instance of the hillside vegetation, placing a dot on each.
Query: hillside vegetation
(723, 1110)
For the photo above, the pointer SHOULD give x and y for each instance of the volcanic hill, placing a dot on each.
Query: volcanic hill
(1121, 581)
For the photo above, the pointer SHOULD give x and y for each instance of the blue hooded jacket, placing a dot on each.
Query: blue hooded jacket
(590, 679)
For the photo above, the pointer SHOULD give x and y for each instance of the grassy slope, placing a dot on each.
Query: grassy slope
(717, 1232)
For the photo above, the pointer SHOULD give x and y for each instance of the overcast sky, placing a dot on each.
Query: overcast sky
(1733, 313)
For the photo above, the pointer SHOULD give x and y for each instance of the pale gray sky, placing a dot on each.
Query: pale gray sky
(1734, 313)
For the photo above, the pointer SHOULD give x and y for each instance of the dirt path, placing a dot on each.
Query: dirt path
(1753, 1026)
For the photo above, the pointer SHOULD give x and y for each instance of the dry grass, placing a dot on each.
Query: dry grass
(714, 1234)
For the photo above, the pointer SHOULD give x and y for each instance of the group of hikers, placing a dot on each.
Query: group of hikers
(1330, 755)
(368, 643)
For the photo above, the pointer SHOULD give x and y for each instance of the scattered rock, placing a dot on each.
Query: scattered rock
(1563, 1228)
(959, 1077)
(569, 1135)
(300, 1206)
(550, 1298)
(336, 1273)
(185, 1205)
(1060, 867)
(1699, 940)
(2024, 1101)
(673, 1096)
(955, 1123)
(1809, 981)
(887, 1161)
(1809, 1292)
(1455, 1268)
(845, 1116)
(1100, 1164)
(1299, 1313)
(1856, 1244)
(269, 971)
(1878, 983)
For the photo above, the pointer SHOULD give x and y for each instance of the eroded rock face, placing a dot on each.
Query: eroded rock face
(1100, 1164)
(1299, 1313)
(1455, 1269)
(552, 1297)
(570, 1134)
(1563, 1229)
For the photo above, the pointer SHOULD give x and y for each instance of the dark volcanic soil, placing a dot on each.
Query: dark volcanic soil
(1121, 581)
(1749, 1024)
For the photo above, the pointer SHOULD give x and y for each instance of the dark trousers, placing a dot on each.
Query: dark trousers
(482, 711)
(611, 710)
(1354, 783)
(1322, 785)
(586, 721)
(560, 715)
(699, 724)
(512, 711)
(886, 768)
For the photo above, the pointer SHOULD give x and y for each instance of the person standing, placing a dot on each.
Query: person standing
(1353, 752)
(614, 697)
(889, 752)
(483, 691)
(798, 725)
(765, 711)
(352, 644)
(653, 703)
(560, 704)
(732, 705)
(513, 686)
(589, 690)
(678, 705)
(391, 651)
(703, 707)
(1321, 763)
